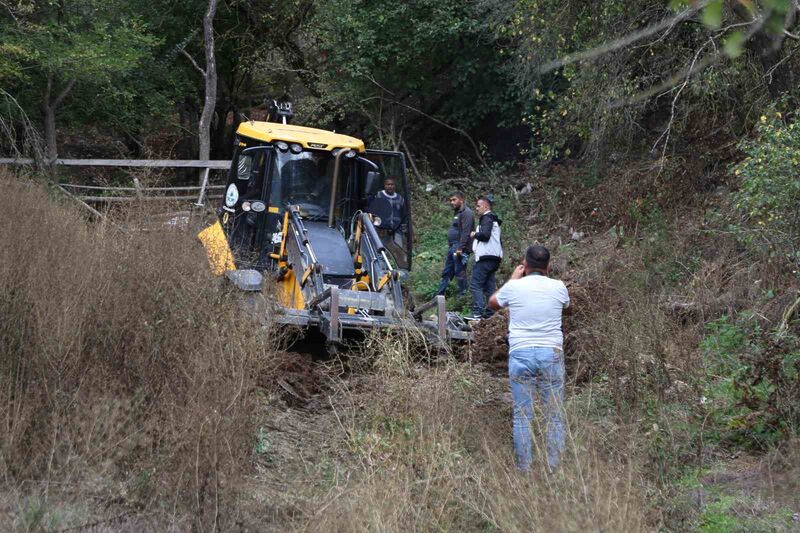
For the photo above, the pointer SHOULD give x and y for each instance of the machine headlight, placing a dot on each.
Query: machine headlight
(296, 148)
(350, 154)
(282, 146)
(245, 206)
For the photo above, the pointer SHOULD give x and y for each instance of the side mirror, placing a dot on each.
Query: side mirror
(244, 167)
(372, 182)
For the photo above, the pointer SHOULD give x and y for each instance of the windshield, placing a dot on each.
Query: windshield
(304, 179)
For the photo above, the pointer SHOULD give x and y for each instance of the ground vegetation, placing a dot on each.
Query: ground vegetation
(652, 146)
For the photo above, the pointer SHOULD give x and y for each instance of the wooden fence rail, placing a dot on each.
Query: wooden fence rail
(153, 189)
(214, 164)
(140, 192)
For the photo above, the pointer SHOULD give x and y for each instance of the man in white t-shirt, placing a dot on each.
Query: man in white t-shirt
(536, 355)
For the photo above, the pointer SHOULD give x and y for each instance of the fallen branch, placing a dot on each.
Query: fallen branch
(88, 207)
(788, 314)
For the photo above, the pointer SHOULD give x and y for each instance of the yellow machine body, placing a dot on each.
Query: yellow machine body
(306, 137)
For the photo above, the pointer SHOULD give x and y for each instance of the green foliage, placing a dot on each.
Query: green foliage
(433, 215)
(722, 516)
(437, 57)
(751, 391)
(769, 186)
(84, 59)
(652, 236)
(712, 14)
(88, 40)
(431, 220)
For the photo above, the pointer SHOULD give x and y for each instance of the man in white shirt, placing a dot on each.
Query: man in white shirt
(536, 355)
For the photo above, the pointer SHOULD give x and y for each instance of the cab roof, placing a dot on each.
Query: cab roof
(307, 137)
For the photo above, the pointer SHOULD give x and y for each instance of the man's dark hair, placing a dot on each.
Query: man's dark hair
(390, 178)
(487, 200)
(537, 257)
(457, 194)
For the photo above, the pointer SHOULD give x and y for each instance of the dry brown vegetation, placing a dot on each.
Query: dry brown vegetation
(131, 400)
(418, 448)
(127, 377)
(137, 395)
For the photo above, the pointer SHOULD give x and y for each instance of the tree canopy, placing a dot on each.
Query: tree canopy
(548, 79)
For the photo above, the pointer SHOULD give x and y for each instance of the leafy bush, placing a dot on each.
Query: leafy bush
(769, 187)
(752, 391)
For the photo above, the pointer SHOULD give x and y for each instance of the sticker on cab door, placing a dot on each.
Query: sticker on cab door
(231, 195)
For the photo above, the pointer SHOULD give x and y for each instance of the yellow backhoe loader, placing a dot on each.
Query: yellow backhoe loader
(302, 212)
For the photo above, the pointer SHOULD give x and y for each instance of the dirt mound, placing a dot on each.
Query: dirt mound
(490, 346)
(295, 376)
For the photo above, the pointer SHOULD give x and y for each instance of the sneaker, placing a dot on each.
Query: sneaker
(473, 317)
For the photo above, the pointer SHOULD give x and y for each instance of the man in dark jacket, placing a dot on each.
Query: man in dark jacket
(389, 206)
(458, 245)
(488, 253)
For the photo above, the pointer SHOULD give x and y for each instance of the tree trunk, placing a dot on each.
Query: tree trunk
(211, 82)
(49, 107)
(51, 149)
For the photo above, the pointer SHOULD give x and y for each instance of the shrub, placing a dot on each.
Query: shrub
(752, 390)
(769, 186)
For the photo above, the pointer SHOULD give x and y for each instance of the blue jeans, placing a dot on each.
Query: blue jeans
(482, 285)
(454, 267)
(537, 373)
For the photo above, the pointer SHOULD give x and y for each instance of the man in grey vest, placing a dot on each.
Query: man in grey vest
(488, 253)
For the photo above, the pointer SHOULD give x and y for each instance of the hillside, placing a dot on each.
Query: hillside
(681, 362)
(652, 145)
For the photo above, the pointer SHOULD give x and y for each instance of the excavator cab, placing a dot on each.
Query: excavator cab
(324, 219)
(265, 179)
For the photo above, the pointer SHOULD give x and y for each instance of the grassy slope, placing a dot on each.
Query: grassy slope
(398, 442)
(672, 309)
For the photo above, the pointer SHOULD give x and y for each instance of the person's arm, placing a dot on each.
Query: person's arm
(484, 232)
(466, 222)
(497, 300)
(403, 213)
(568, 307)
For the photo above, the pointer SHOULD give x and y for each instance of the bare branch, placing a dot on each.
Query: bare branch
(11, 10)
(184, 52)
(665, 135)
(63, 94)
(625, 41)
(30, 139)
(370, 78)
(437, 121)
(774, 67)
(694, 68)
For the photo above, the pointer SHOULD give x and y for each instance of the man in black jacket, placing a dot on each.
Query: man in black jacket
(458, 245)
(488, 253)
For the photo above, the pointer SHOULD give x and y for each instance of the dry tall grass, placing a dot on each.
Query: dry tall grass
(431, 448)
(126, 372)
